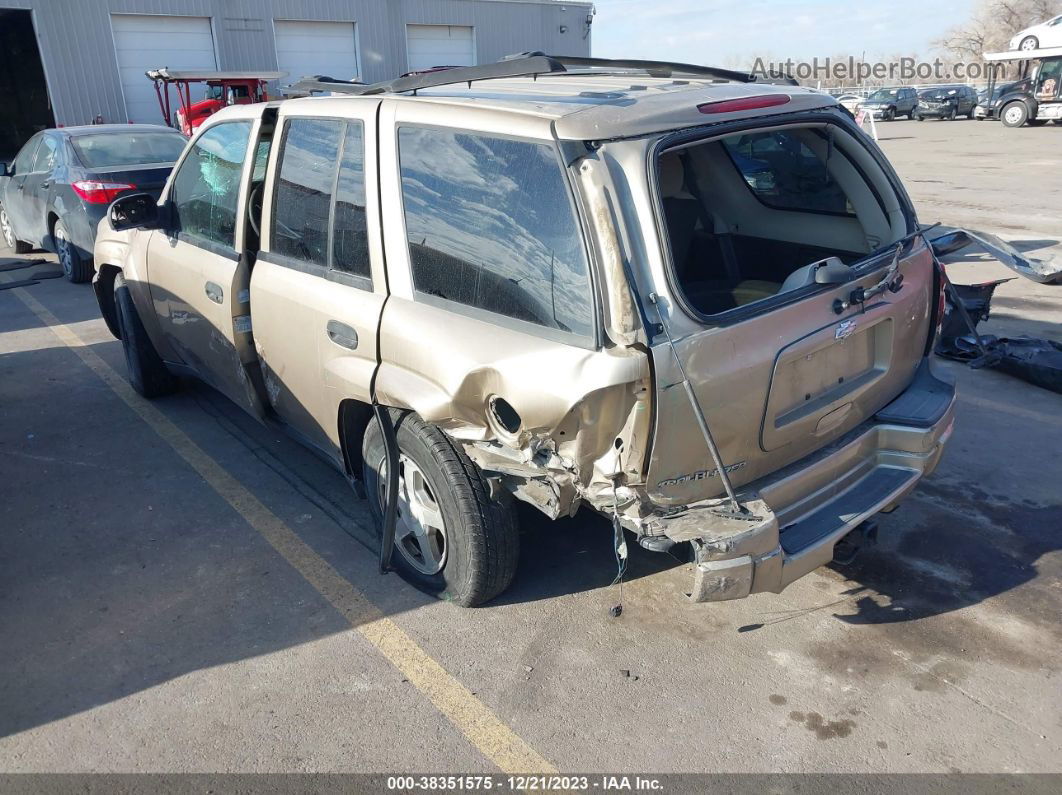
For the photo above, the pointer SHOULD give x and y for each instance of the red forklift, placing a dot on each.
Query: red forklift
(222, 89)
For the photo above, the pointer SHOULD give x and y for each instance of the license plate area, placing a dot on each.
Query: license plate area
(822, 384)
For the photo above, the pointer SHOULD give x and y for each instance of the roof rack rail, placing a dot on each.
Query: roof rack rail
(533, 64)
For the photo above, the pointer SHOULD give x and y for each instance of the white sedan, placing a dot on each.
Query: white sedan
(1046, 34)
(850, 101)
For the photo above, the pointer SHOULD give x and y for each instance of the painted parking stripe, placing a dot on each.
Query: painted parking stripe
(485, 730)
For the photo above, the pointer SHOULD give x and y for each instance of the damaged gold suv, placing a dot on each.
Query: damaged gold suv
(698, 303)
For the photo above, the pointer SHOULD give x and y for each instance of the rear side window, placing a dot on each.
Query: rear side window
(47, 154)
(350, 242)
(305, 183)
(783, 173)
(205, 190)
(491, 225)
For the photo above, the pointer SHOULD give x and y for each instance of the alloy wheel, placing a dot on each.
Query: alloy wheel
(64, 250)
(5, 228)
(420, 531)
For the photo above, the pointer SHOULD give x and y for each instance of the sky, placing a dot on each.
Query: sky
(730, 32)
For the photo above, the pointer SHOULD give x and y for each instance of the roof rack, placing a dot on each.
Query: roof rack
(533, 64)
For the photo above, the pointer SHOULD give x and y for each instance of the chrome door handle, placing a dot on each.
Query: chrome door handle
(342, 334)
(214, 292)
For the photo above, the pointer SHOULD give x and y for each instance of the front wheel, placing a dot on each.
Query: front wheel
(451, 539)
(889, 114)
(917, 116)
(12, 242)
(1029, 43)
(1014, 115)
(76, 268)
(147, 372)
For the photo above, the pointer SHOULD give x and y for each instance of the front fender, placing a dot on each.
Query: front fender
(126, 251)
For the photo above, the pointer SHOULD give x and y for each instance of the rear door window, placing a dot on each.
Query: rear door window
(350, 244)
(491, 225)
(205, 190)
(304, 188)
(784, 174)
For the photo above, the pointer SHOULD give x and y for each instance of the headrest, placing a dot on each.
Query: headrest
(672, 176)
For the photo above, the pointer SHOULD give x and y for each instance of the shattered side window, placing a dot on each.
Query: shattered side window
(206, 189)
(490, 225)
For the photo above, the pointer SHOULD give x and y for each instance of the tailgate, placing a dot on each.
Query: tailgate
(782, 384)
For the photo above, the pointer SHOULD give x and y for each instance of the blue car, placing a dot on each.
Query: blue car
(59, 186)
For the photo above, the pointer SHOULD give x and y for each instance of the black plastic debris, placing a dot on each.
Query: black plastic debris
(1035, 360)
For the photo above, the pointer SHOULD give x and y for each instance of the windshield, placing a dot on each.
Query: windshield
(101, 150)
(883, 95)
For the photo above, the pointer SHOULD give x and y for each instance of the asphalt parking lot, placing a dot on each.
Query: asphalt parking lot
(183, 590)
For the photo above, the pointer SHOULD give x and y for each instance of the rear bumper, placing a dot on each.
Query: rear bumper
(801, 512)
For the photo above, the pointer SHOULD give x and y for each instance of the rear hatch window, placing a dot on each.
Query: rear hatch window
(107, 150)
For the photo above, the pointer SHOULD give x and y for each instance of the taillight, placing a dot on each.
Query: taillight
(95, 192)
(936, 317)
(744, 103)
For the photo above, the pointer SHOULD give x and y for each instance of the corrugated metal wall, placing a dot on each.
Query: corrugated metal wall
(78, 49)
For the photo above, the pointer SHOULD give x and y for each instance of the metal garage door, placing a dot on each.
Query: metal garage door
(316, 48)
(143, 42)
(439, 45)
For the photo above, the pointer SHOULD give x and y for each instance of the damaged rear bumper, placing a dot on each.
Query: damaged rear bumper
(799, 514)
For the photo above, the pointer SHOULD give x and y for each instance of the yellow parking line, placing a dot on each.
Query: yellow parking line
(472, 717)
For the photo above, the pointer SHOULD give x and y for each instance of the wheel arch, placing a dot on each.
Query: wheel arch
(103, 286)
(353, 419)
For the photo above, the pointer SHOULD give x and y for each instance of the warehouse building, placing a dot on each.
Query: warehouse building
(66, 62)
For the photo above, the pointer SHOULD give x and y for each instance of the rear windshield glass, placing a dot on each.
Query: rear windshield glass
(100, 150)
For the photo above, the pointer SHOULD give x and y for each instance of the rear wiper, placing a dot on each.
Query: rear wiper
(892, 281)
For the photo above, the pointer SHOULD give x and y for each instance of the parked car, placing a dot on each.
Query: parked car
(716, 335)
(946, 103)
(1046, 34)
(888, 103)
(57, 189)
(850, 101)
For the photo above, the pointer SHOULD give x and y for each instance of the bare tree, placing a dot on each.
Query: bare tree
(994, 24)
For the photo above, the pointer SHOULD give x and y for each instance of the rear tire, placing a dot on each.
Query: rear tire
(480, 543)
(12, 242)
(1029, 43)
(75, 268)
(147, 372)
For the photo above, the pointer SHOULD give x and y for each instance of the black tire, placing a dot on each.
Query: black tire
(76, 268)
(889, 114)
(1036, 122)
(951, 115)
(481, 538)
(147, 372)
(1015, 114)
(13, 243)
